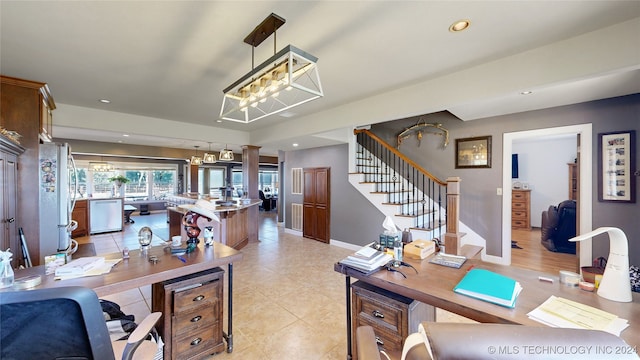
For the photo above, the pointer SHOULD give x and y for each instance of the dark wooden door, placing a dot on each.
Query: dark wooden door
(316, 205)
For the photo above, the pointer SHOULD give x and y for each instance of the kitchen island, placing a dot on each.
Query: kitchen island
(233, 228)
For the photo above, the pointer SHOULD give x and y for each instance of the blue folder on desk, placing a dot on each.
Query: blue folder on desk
(489, 286)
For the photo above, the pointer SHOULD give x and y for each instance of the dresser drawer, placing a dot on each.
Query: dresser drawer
(519, 206)
(199, 343)
(518, 196)
(518, 215)
(185, 322)
(184, 300)
(519, 223)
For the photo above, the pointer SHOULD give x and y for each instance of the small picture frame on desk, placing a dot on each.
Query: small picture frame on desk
(616, 166)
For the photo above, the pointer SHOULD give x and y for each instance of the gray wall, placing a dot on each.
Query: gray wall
(353, 218)
(479, 185)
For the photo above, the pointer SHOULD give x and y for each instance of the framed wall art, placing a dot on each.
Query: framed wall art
(616, 165)
(473, 152)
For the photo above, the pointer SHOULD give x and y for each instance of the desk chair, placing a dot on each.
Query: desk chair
(65, 323)
(497, 341)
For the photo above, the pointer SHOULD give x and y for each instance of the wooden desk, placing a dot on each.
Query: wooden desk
(433, 285)
(137, 271)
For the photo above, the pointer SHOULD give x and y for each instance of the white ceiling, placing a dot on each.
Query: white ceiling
(163, 64)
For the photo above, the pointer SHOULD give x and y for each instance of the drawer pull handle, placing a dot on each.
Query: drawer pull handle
(196, 341)
(198, 298)
(196, 318)
(379, 341)
(378, 314)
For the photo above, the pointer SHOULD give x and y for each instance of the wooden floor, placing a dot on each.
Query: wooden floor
(534, 256)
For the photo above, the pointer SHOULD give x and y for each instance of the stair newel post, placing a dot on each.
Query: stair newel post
(452, 236)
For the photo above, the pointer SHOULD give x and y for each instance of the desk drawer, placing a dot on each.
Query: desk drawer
(194, 297)
(198, 344)
(185, 322)
(379, 314)
(387, 340)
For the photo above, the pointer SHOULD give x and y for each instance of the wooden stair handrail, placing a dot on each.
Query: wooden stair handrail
(400, 155)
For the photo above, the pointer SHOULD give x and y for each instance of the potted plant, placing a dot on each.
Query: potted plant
(119, 180)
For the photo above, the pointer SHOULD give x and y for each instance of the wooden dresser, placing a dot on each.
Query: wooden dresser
(521, 209)
(191, 324)
(392, 316)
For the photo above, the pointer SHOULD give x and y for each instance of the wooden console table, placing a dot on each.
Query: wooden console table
(138, 271)
(433, 285)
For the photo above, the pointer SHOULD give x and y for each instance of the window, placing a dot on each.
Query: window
(153, 182)
(268, 182)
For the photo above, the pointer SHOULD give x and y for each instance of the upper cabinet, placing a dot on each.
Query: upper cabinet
(24, 102)
(26, 107)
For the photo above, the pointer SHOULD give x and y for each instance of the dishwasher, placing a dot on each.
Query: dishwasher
(105, 215)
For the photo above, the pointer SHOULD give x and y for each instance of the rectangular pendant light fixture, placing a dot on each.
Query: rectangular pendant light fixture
(289, 78)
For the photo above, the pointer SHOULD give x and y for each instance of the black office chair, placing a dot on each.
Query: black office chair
(64, 323)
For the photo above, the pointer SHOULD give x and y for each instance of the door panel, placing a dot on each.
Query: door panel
(316, 212)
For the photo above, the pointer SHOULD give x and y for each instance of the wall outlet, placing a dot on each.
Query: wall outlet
(499, 191)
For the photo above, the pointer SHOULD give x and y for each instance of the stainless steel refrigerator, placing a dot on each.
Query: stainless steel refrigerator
(57, 191)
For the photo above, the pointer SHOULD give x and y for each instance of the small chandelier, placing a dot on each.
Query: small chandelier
(195, 159)
(100, 166)
(208, 157)
(289, 78)
(226, 154)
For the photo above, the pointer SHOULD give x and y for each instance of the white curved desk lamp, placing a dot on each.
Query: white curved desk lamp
(616, 283)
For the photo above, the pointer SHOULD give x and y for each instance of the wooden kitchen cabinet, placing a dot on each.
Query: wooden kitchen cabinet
(191, 322)
(80, 215)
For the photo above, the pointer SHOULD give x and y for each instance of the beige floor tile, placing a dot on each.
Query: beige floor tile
(288, 302)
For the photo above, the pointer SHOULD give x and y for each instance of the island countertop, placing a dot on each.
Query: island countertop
(239, 205)
(231, 228)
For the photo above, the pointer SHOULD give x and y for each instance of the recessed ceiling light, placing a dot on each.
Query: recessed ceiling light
(105, 101)
(460, 25)
(295, 144)
(526, 93)
(125, 135)
(218, 121)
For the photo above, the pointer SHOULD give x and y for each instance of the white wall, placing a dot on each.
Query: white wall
(543, 165)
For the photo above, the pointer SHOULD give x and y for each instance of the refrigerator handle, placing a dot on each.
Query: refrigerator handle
(75, 183)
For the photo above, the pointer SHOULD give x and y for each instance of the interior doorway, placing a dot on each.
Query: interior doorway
(584, 202)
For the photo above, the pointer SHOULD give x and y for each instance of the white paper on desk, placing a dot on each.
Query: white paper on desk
(98, 270)
(563, 313)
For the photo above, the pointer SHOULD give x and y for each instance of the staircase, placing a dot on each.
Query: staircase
(401, 189)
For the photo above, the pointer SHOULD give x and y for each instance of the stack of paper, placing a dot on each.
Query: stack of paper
(488, 286)
(85, 266)
(367, 259)
(80, 266)
(560, 312)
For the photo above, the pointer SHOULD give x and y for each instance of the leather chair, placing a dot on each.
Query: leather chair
(65, 323)
(442, 341)
(558, 226)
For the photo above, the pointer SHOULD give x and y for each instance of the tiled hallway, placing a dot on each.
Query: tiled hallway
(288, 303)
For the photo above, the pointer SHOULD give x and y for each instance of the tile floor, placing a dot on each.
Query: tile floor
(288, 302)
